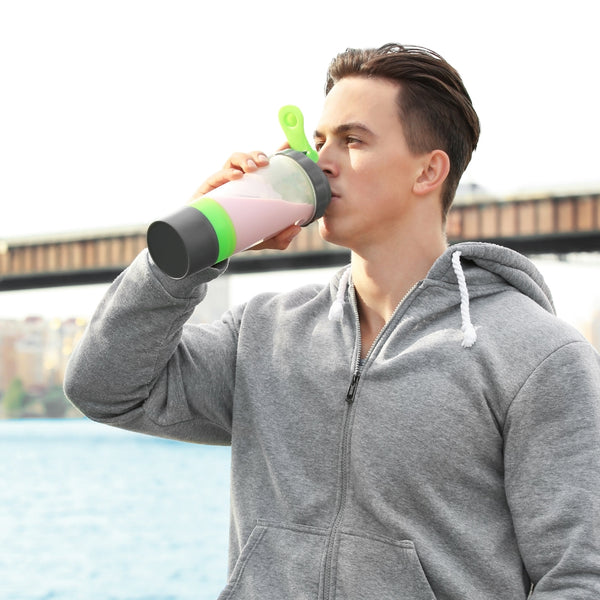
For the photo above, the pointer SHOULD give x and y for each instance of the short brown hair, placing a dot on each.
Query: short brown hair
(434, 107)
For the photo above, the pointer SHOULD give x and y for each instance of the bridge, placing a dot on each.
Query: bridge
(534, 224)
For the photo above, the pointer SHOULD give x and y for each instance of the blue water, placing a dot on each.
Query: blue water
(89, 512)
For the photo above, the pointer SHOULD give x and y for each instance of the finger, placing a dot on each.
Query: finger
(247, 162)
(235, 166)
(218, 179)
(280, 241)
(284, 146)
(260, 158)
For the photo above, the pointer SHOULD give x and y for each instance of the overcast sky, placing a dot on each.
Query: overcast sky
(112, 112)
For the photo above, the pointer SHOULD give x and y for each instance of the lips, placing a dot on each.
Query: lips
(334, 197)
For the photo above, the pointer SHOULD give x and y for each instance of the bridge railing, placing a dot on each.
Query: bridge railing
(99, 256)
(536, 224)
(544, 224)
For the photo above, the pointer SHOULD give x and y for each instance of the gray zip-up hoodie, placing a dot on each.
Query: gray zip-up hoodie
(460, 461)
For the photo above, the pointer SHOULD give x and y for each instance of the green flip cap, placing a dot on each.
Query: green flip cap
(292, 123)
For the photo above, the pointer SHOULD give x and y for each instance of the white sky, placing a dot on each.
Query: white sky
(112, 112)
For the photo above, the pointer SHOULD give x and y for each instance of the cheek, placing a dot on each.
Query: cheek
(378, 183)
(367, 174)
(389, 178)
(377, 167)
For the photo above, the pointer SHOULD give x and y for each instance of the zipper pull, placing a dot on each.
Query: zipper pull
(352, 389)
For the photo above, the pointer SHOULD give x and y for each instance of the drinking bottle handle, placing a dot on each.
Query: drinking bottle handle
(292, 123)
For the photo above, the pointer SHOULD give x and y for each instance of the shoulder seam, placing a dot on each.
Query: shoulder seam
(533, 371)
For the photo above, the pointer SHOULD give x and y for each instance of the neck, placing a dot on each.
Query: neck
(385, 273)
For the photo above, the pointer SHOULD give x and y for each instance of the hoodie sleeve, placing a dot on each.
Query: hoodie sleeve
(552, 473)
(139, 367)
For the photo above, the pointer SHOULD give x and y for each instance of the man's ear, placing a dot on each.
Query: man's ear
(436, 166)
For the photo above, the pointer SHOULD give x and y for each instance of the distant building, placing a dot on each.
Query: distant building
(36, 351)
(10, 332)
(29, 351)
(472, 193)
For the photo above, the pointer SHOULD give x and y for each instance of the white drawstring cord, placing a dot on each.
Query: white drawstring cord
(469, 333)
(336, 311)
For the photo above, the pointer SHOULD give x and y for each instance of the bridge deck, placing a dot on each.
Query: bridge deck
(556, 224)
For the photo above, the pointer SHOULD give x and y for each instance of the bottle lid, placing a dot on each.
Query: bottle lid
(318, 179)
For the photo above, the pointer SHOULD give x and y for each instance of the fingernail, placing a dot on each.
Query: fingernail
(251, 164)
(263, 158)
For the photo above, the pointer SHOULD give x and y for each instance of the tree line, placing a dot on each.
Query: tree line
(51, 403)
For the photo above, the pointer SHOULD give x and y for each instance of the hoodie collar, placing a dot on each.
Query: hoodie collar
(503, 263)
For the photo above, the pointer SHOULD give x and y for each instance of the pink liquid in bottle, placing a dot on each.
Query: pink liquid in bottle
(256, 219)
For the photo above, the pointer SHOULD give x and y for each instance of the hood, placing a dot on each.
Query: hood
(508, 265)
(458, 265)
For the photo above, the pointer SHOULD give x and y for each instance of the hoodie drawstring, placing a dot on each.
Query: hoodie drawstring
(336, 311)
(469, 333)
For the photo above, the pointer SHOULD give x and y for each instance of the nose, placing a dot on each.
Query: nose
(327, 160)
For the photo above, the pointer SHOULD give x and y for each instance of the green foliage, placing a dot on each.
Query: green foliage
(14, 398)
(51, 403)
(55, 403)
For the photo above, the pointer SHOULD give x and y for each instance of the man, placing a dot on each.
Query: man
(423, 427)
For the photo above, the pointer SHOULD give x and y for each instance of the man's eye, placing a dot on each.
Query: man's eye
(352, 140)
(318, 146)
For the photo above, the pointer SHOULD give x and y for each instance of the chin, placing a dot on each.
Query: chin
(329, 234)
(324, 229)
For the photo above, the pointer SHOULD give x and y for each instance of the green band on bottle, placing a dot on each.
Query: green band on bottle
(221, 223)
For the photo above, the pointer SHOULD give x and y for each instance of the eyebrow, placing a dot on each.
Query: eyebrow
(345, 128)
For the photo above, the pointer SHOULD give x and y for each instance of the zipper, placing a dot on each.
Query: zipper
(344, 459)
(346, 435)
(352, 388)
(357, 367)
(328, 579)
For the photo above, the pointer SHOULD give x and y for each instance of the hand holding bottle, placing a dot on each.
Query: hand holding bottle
(234, 168)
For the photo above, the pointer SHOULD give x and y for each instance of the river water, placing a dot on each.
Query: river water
(89, 512)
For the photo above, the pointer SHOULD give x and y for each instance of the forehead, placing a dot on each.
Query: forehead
(361, 100)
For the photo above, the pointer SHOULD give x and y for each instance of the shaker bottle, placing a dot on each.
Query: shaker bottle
(239, 214)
